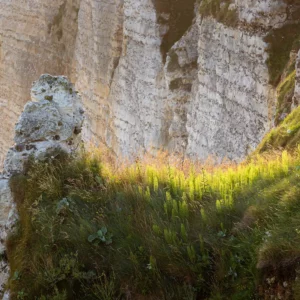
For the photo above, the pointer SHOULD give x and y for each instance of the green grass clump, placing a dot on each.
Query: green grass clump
(286, 135)
(219, 10)
(93, 230)
(285, 93)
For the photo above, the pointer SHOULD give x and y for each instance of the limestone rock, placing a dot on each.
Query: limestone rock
(180, 75)
(230, 108)
(262, 12)
(50, 123)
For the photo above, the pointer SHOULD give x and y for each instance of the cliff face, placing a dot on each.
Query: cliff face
(152, 73)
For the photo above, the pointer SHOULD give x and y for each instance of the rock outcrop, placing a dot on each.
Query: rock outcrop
(152, 73)
(50, 123)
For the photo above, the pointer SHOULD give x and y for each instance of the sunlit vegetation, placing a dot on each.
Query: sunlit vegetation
(155, 229)
(284, 136)
(285, 93)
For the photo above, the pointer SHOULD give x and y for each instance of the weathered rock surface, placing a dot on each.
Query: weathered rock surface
(229, 112)
(151, 74)
(262, 12)
(51, 123)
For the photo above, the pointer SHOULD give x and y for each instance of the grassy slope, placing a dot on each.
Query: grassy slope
(284, 136)
(166, 233)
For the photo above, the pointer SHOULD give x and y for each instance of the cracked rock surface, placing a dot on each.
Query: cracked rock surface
(48, 124)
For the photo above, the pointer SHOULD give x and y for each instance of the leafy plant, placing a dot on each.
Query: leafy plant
(101, 236)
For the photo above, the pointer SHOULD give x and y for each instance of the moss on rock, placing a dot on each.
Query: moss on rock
(178, 16)
(281, 41)
(221, 11)
(285, 92)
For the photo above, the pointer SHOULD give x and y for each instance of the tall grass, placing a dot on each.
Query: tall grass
(154, 229)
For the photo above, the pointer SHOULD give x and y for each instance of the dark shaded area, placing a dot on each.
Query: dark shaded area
(178, 15)
(281, 42)
(64, 14)
(219, 10)
(179, 84)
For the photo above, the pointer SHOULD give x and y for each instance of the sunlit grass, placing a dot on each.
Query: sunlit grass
(158, 228)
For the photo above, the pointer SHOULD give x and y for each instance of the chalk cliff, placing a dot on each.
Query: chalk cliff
(182, 75)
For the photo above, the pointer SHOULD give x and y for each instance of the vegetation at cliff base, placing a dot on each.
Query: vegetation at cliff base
(284, 136)
(285, 93)
(155, 229)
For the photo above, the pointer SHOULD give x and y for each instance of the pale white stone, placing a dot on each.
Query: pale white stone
(262, 12)
(229, 111)
(48, 124)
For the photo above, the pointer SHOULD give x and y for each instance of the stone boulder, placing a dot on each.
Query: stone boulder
(51, 122)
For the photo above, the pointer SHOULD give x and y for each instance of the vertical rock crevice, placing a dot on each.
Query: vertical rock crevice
(180, 75)
(175, 18)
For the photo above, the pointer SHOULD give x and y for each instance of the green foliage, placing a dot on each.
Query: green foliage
(177, 234)
(220, 10)
(286, 135)
(285, 92)
(101, 235)
(103, 288)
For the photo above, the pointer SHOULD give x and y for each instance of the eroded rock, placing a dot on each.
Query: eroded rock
(51, 122)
